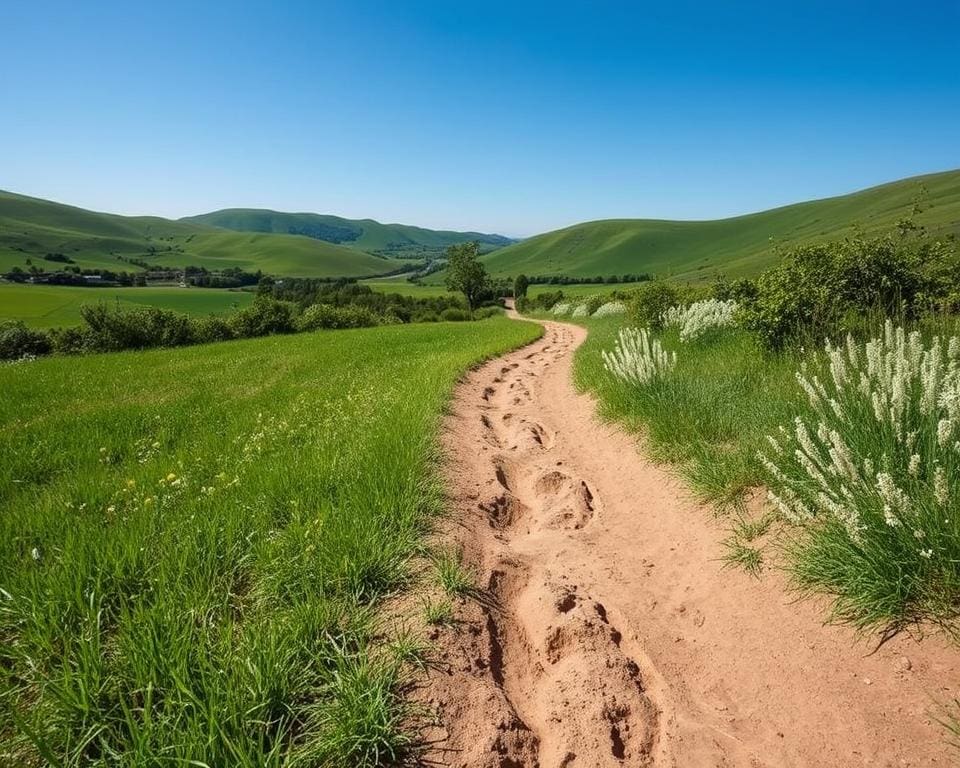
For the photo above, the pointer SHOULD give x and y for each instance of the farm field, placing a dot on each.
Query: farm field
(50, 306)
(195, 542)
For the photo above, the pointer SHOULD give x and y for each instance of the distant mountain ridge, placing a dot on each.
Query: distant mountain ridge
(393, 240)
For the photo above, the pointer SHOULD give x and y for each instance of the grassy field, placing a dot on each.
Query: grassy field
(695, 250)
(194, 542)
(363, 234)
(49, 306)
(402, 286)
(31, 228)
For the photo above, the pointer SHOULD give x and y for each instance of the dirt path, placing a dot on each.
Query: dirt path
(613, 636)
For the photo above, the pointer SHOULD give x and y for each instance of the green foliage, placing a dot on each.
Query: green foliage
(465, 273)
(113, 329)
(454, 315)
(266, 316)
(194, 544)
(452, 575)
(329, 316)
(826, 289)
(520, 286)
(647, 304)
(211, 329)
(17, 341)
(438, 612)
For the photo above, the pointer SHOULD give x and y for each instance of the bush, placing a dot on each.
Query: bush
(18, 341)
(320, 316)
(454, 315)
(112, 328)
(75, 340)
(264, 317)
(825, 289)
(210, 329)
(424, 317)
(871, 472)
(648, 303)
(484, 312)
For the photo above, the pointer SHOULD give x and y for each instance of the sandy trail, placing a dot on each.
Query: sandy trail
(613, 636)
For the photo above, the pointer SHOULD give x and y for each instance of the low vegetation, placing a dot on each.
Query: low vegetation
(195, 543)
(857, 444)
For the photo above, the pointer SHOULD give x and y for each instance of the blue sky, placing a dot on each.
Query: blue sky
(496, 116)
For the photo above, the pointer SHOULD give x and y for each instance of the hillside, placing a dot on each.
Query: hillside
(31, 228)
(737, 246)
(396, 240)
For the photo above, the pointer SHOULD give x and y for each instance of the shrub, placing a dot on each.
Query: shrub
(264, 317)
(210, 329)
(821, 290)
(580, 311)
(484, 312)
(871, 472)
(638, 358)
(561, 308)
(452, 314)
(593, 303)
(18, 341)
(328, 316)
(424, 316)
(610, 308)
(112, 328)
(701, 317)
(75, 340)
(648, 303)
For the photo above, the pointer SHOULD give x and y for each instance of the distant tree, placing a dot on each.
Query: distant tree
(465, 273)
(520, 286)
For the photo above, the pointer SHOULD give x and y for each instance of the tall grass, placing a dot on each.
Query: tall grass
(194, 543)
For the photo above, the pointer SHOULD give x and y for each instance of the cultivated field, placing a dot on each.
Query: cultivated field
(50, 306)
(195, 542)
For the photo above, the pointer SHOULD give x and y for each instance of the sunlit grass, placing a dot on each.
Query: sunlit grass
(194, 543)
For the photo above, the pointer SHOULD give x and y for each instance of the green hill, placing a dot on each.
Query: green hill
(743, 245)
(395, 240)
(31, 229)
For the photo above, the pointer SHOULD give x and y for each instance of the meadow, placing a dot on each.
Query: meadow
(51, 306)
(195, 544)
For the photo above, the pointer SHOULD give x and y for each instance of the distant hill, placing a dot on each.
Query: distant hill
(391, 240)
(31, 228)
(743, 245)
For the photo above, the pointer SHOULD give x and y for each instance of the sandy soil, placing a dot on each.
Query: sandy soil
(612, 634)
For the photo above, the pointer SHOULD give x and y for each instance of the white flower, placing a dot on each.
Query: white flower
(927, 553)
(637, 358)
(700, 317)
(610, 308)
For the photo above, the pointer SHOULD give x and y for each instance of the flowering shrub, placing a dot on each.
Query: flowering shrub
(700, 317)
(638, 358)
(561, 308)
(610, 308)
(873, 473)
(581, 310)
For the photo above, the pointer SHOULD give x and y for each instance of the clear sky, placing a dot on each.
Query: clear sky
(510, 117)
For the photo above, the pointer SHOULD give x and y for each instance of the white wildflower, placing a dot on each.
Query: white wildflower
(914, 467)
(700, 317)
(941, 491)
(637, 357)
(610, 308)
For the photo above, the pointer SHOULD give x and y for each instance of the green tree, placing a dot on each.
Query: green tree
(520, 286)
(465, 273)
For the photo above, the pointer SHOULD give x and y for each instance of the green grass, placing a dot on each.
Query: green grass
(48, 306)
(404, 288)
(31, 228)
(194, 544)
(364, 234)
(695, 250)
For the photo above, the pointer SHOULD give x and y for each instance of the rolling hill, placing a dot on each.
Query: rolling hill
(31, 228)
(391, 240)
(691, 250)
